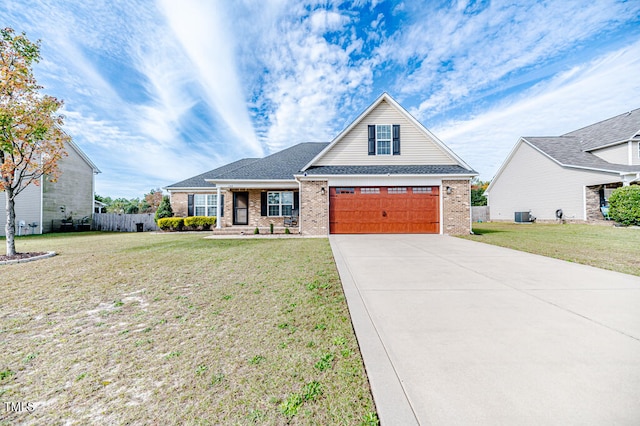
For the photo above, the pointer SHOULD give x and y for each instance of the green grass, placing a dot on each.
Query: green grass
(176, 329)
(607, 247)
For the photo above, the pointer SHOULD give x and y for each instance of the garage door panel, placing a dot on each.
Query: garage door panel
(384, 210)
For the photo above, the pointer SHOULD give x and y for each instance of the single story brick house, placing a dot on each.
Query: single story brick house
(574, 173)
(384, 173)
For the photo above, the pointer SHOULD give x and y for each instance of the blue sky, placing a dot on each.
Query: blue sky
(158, 91)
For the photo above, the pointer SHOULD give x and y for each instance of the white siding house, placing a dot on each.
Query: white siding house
(45, 205)
(573, 173)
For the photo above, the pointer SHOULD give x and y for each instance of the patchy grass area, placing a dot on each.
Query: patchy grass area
(174, 329)
(606, 247)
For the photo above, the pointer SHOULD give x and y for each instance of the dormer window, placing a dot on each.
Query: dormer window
(384, 139)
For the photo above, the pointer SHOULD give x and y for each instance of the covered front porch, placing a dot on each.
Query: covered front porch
(259, 206)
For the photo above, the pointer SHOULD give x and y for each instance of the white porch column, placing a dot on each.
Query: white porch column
(218, 208)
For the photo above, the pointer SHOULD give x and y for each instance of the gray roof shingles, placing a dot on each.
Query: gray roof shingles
(616, 129)
(279, 166)
(573, 148)
(199, 180)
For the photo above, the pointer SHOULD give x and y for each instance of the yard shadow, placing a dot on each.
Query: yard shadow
(483, 231)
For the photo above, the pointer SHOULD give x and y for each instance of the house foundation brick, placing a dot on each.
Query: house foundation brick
(456, 207)
(314, 208)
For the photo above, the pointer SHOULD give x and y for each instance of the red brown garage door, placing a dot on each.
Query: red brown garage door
(384, 210)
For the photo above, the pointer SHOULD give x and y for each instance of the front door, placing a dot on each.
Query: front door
(240, 208)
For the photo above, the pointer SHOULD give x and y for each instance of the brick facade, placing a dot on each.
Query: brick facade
(456, 207)
(314, 208)
(179, 203)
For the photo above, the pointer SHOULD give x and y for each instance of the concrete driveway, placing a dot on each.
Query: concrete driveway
(455, 332)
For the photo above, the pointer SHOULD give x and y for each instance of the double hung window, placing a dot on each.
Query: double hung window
(383, 139)
(280, 203)
(205, 204)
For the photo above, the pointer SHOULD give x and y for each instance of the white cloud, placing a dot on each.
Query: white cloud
(570, 100)
(460, 55)
(310, 78)
(207, 37)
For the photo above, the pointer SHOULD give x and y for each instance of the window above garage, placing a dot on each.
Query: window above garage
(384, 139)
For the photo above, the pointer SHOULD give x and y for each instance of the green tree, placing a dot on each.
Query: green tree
(31, 138)
(164, 210)
(624, 205)
(477, 192)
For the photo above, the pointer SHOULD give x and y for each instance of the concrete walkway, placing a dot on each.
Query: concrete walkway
(455, 332)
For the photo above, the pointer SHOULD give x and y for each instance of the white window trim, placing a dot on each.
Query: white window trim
(280, 203)
(390, 139)
(205, 205)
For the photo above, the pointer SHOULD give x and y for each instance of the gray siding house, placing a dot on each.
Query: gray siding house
(574, 173)
(384, 173)
(41, 208)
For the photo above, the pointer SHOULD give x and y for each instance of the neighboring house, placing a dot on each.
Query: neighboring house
(574, 173)
(385, 173)
(41, 208)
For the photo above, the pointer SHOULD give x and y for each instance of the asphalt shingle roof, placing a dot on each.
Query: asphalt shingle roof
(199, 180)
(573, 148)
(619, 128)
(567, 150)
(281, 165)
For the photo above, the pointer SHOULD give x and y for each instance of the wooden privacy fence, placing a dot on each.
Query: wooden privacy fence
(124, 222)
(480, 213)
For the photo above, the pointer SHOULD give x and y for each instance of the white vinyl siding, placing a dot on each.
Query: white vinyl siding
(27, 209)
(618, 154)
(74, 190)
(417, 147)
(532, 181)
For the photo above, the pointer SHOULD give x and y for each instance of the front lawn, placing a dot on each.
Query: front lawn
(175, 329)
(606, 247)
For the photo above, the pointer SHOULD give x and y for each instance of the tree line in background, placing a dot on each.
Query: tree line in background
(148, 204)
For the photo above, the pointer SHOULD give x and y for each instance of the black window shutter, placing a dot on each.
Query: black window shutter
(372, 139)
(296, 200)
(190, 205)
(263, 204)
(396, 139)
(221, 205)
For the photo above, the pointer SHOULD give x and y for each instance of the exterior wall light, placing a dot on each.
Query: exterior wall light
(449, 190)
(322, 191)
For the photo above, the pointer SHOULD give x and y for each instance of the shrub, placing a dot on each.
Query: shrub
(624, 205)
(164, 209)
(256, 231)
(171, 223)
(200, 222)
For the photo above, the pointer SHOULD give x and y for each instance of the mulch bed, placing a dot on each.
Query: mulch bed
(20, 256)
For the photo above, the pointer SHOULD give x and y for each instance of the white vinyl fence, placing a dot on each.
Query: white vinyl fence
(124, 222)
